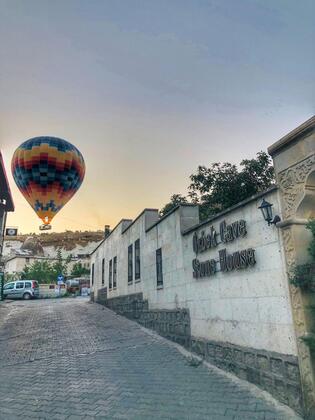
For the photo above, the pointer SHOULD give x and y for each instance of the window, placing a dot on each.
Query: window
(130, 267)
(28, 285)
(159, 269)
(92, 274)
(103, 271)
(8, 286)
(110, 275)
(27, 260)
(19, 285)
(115, 273)
(137, 259)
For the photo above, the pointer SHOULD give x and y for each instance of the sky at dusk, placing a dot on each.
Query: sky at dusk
(148, 90)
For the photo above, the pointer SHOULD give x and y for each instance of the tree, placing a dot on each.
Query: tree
(176, 199)
(223, 185)
(45, 271)
(60, 267)
(78, 270)
(40, 270)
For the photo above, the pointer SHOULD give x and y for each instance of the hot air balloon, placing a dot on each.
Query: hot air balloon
(48, 171)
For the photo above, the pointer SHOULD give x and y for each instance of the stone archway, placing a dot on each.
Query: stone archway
(294, 161)
(306, 208)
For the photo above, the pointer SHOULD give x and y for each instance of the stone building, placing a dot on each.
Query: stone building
(6, 203)
(221, 287)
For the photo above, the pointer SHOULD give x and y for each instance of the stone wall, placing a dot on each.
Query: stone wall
(101, 295)
(275, 373)
(171, 324)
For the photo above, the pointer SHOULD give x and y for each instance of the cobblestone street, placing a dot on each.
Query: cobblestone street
(70, 359)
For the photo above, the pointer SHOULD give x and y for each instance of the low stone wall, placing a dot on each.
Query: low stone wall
(276, 373)
(101, 295)
(171, 324)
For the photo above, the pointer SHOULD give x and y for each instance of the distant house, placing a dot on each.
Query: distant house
(6, 202)
(31, 251)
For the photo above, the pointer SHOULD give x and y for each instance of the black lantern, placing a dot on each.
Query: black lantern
(266, 209)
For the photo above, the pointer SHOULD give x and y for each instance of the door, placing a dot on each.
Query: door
(8, 290)
(19, 289)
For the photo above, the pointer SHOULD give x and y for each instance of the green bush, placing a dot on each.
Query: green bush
(309, 340)
(303, 275)
(311, 249)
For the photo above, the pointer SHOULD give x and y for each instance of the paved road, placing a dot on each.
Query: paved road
(70, 359)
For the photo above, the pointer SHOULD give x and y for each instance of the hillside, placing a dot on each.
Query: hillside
(67, 240)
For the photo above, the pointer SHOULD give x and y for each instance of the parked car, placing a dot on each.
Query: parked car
(22, 289)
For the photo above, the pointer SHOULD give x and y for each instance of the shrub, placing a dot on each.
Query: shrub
(303, 275)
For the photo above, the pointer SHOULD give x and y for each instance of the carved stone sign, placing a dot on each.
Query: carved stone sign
(227, 262)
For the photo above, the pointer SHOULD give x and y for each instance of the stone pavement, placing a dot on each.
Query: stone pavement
(70, 359)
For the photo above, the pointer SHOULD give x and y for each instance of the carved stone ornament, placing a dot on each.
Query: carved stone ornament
(300, 324)
(292, 182)
(292, 187)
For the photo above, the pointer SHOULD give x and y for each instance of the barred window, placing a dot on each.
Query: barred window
(92, 276)
(103, 271)
(137, 259)
(110, 274)
(115, 273)
(130, 263)
(159, 269)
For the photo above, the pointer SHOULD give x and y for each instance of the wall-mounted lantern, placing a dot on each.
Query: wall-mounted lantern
(266, 209)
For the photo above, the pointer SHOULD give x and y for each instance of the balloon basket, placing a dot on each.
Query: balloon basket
(44, 227)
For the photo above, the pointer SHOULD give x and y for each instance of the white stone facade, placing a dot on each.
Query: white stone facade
(247, 307)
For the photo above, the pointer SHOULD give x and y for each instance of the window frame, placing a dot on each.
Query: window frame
(130, 264)
(110, 274)
(103, 271)
(137, 260)
(115, 272)
(92, 274)
(159, 268)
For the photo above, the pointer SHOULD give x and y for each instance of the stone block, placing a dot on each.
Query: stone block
(292, 371)
(227, 354)
(250, 359)
(266, 381)
(276, 366)
(199, 347)
(253, 375)
(219, 352)
(211, 350)
(238, 356)
(280, 391)
(294, 397)
(240, 372)
(263, 362)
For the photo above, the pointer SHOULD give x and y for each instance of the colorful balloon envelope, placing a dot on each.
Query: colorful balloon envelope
(48, 171)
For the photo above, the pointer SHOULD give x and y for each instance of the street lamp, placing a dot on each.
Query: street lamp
(266, 209)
